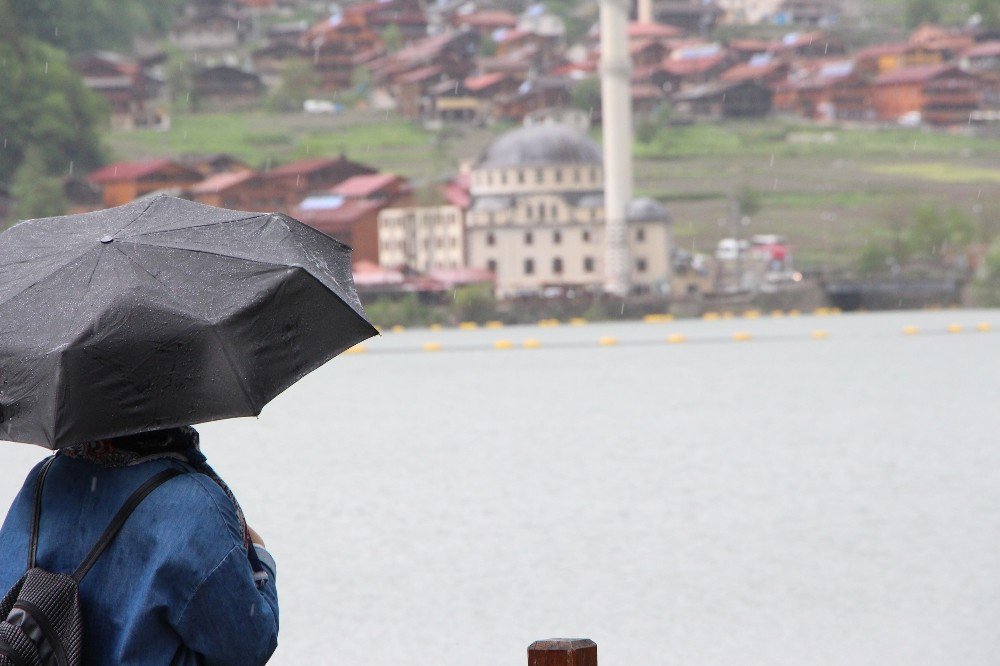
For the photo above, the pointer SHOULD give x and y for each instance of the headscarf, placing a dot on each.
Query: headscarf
(179, 443)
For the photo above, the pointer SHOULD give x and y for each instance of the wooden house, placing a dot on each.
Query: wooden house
(351, 221)
(124, 83)
(210, 27)
(533, 95)
(226, 88)
(123, 182)
(283, 187)
(736, 99)
(941, 94)
(385, 188)
(338, 45)
(239, 190)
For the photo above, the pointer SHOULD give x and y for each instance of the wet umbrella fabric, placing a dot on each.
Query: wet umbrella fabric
(160, 313)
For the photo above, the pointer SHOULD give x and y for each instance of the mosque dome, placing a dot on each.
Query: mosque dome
(645, 209)
(540, 145)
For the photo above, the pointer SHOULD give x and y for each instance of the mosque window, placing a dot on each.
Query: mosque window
(557, 266)
(588, 264)
(529, 266)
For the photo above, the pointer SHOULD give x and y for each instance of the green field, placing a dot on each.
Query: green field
(830, 190)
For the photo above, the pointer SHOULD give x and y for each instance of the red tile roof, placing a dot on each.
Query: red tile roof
(457, 195)
(302, 167)
(748, 72)
(488, 19)
(690, 66)
(361, 187)
(419, 75)
(880, 50)
(334, 219)
(129, 170)
(477, 83)
(984, 50)
(222, 181)
(920, 74)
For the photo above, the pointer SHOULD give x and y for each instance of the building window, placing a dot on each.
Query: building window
(593, 173)
(491, 266)
(556, 237)
(503, 177)
(529, 238)
(558, 174)
(640, 265)
(491, 239)
(529, 266)
(576, 175)
(520, 177)
(586, 236)
(529, 211)
(588, 264)
(541, 212)
(489, 177)
(539, 176)
(640, 235)
(555, 212)
(557, 266)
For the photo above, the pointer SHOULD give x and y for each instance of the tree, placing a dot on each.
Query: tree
(36, 192)
(988, 286)
(922, 11)
(988, 12)
(298, 83)
(45, 105)
(586, 95)
(935, 233)
(392, 37)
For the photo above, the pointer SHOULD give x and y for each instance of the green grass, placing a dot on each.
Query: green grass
(262, 138)
(773, 137)
(940, 172)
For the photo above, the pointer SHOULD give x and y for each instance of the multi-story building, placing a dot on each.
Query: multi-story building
(537, 215)
(422, 238)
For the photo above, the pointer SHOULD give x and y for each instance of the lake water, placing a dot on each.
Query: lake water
(779, 501)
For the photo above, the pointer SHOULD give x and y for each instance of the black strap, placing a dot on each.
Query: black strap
(119, 520)
(37, 515)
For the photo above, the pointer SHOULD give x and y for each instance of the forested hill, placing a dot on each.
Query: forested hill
(76, 26)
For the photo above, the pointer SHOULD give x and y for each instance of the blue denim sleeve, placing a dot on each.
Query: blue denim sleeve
(231, 619)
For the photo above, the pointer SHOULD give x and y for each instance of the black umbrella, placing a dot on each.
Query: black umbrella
(160, 313)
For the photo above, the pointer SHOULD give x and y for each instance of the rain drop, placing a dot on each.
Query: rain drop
(46, 66)
(71, 167)
(93, 484)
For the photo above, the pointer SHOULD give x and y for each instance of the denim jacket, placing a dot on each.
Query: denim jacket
(175, 587)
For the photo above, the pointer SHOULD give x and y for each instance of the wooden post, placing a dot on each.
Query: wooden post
(563, 652)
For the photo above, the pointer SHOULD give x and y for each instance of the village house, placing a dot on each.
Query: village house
(351, 221)
(273, 61)
(692, 16)
(128, 88)
(207, 26)
(533, 95)
(749, 11)
(339, 45)
(387, 189)
(225, 88)
(940, 94)
(408, 16)
(123, 182)
(807, 13)
(213, 163)
(286, 185)
(239, 190)
(485, 21)
(982, 58)
(767, 71)
(422, 238)
(733, 99)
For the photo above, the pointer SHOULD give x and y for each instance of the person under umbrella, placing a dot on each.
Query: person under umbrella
(119, 329)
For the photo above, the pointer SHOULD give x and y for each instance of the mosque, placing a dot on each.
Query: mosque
(537, 216)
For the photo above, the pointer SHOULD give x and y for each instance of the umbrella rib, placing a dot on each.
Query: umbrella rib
(138, 216)
(236, 374)
(198, 226)
(43, 279)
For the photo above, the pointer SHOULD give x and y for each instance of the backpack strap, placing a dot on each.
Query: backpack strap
(119, 520)
(37, 515)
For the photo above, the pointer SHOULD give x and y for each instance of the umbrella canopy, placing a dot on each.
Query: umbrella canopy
(160, 313)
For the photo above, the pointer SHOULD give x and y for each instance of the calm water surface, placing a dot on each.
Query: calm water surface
(782, 501)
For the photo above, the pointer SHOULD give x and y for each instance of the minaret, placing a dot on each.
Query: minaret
(644, 11)
(616, 109)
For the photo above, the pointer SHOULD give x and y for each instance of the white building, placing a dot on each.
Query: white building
(537, 215)
(424, 238)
